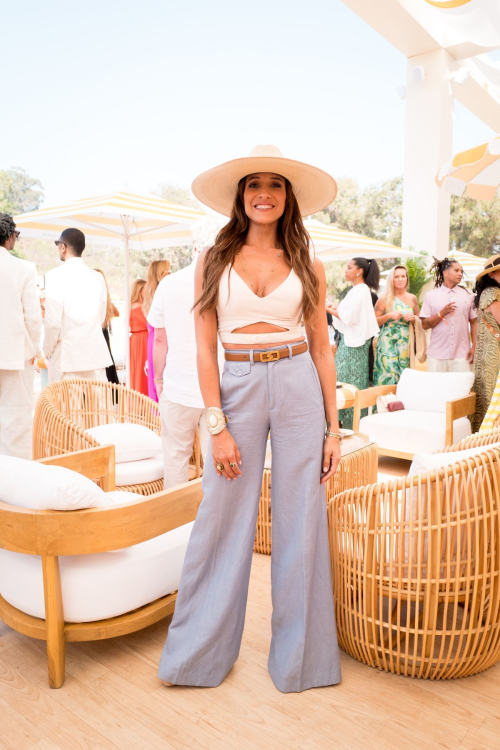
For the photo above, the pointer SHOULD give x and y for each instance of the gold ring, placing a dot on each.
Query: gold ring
(232, 465)
(220, 467)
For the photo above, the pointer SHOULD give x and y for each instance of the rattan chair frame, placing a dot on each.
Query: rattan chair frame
(81, 532)
(66, 409)
(416, 569)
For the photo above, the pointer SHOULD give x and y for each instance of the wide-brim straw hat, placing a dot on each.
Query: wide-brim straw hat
(492, 264)
(313, 188)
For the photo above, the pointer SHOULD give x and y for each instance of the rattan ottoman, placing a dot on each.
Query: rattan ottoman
(358, 467)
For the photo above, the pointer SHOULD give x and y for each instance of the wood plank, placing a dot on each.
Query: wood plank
(17, 733)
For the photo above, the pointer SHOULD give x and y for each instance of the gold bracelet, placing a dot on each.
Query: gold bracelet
(215, 420)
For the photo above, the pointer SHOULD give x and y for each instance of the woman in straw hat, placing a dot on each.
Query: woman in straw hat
(487, 354)
(260, 290)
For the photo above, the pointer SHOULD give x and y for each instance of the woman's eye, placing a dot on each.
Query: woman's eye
(277, 185)
(253, 184)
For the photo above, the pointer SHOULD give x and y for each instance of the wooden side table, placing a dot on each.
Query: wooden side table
(357, 468)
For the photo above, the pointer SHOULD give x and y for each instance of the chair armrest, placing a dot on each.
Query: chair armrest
(368, 397)
(460, 407)
(94, 463)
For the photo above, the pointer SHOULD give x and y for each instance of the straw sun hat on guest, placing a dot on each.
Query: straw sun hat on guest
(313, 188)
(492, 264)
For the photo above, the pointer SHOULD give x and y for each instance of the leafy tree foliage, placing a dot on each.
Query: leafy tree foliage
(19, 192)
(475, 226)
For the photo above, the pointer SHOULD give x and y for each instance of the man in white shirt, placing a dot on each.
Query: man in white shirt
(75, 309)
(180, 401)
(20, 330)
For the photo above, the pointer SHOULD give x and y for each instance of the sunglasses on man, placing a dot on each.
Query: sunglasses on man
(58, 242)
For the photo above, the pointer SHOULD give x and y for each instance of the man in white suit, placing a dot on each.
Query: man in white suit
(20, 330)
(75, 309)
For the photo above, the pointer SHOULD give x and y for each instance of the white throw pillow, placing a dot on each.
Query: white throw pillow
(423, 462)
(28, 484)
(133, 442)
(119, 497)
(430, 391)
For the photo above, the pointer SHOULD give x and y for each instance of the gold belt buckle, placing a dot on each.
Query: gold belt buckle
(269, 356)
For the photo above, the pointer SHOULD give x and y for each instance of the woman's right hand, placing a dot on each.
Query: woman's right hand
(225, 451)
(395, 315)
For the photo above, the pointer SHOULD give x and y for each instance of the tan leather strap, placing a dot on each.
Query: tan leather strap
(490, 328)
(269, 356)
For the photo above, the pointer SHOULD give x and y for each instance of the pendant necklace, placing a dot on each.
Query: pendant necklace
(267, 279)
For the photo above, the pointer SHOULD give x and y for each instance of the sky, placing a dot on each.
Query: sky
(107, 95)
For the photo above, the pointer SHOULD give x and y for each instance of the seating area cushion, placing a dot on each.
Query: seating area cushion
(133, 442)
(28, 484)
(429, 391)
(410, 431)
(140, 472)
(102, 585)
(423, 462)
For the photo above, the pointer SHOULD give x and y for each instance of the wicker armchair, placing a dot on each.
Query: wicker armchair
(67, 408)
(416, 568)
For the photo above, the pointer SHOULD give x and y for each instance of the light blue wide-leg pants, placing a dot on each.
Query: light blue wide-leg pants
(205, 633)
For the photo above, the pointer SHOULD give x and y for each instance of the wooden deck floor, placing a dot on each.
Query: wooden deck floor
(113, 699)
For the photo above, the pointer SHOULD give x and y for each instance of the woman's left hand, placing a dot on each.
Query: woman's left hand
(409, 318)
(331, 458)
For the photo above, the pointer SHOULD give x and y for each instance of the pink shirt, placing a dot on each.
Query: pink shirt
(449, 341)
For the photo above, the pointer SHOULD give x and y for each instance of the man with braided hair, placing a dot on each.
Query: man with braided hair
(20, 330)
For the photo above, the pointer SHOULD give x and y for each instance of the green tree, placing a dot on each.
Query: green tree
(176, 194)
(475, 226)
(417, 273)
(19, 192)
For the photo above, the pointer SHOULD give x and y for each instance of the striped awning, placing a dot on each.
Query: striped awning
(331, 243)
(472, 264)
(148, 221)
(475, 172)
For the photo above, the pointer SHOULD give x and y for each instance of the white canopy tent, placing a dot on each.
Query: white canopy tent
(121, 219)
(331, 243)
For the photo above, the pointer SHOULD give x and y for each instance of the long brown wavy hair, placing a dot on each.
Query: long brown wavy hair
(292, 239)
(156, 271)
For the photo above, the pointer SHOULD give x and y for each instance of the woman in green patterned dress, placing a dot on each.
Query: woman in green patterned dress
(487, 354)
(355, 320)
(395, 311)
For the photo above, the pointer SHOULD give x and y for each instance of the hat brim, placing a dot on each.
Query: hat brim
(492, 267)
(313, 188)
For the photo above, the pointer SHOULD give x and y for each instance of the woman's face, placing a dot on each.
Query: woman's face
(495, 275)
(352, 271)
(400, 279)
(264, 197)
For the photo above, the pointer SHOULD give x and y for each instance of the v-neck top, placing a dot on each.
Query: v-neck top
(238, 306)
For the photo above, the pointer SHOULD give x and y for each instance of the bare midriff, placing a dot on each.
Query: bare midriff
(260, 328)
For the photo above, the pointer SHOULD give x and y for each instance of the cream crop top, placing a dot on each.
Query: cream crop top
(238, 306)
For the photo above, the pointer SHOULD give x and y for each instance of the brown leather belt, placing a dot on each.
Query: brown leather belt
(268, 356)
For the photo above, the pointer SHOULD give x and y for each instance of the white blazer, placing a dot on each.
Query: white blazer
(20, 313)
(75, 309)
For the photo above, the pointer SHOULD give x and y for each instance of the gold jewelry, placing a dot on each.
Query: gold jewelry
(338, 435)
(268, 277)
(220, 467)
(215, 420)
(232, 465)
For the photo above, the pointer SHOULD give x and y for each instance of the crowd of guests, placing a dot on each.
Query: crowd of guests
(464, 334)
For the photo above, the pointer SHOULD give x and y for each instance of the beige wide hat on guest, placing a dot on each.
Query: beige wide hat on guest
(492, 264)
(313, 188)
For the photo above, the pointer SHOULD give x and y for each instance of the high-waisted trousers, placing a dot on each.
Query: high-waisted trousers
(283, 397)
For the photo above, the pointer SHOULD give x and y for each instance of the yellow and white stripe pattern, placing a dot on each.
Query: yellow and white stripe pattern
(493, 410)
(475, 172)
(331, 243)
(472, 264)
(148, 221)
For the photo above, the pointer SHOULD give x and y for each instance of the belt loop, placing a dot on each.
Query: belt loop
(290, 355)
(251, 357)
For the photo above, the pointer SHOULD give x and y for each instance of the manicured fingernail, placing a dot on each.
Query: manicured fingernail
(325, 469)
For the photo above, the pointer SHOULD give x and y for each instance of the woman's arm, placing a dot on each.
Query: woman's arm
(384, 317)
(494, 309)
(322, 356)
(224, 448)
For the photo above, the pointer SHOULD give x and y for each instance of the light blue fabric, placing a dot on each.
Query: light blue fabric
(205, 634)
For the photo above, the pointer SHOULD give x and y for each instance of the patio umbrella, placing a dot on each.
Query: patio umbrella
(475, 172)
(331, 243)
(472, 264)
(121, 219)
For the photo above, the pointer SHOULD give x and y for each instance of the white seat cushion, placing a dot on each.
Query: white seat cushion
(133, 442)
(429, 391)
(423, 462)
(28, 484)
(139, 472)
(410, 431)
(102, 585)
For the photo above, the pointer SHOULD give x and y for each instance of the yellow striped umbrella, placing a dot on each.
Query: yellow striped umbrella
(472, 264)
(475, 172)
(331, 243)
(121, 219)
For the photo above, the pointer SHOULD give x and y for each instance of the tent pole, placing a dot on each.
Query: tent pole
(127, 303)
